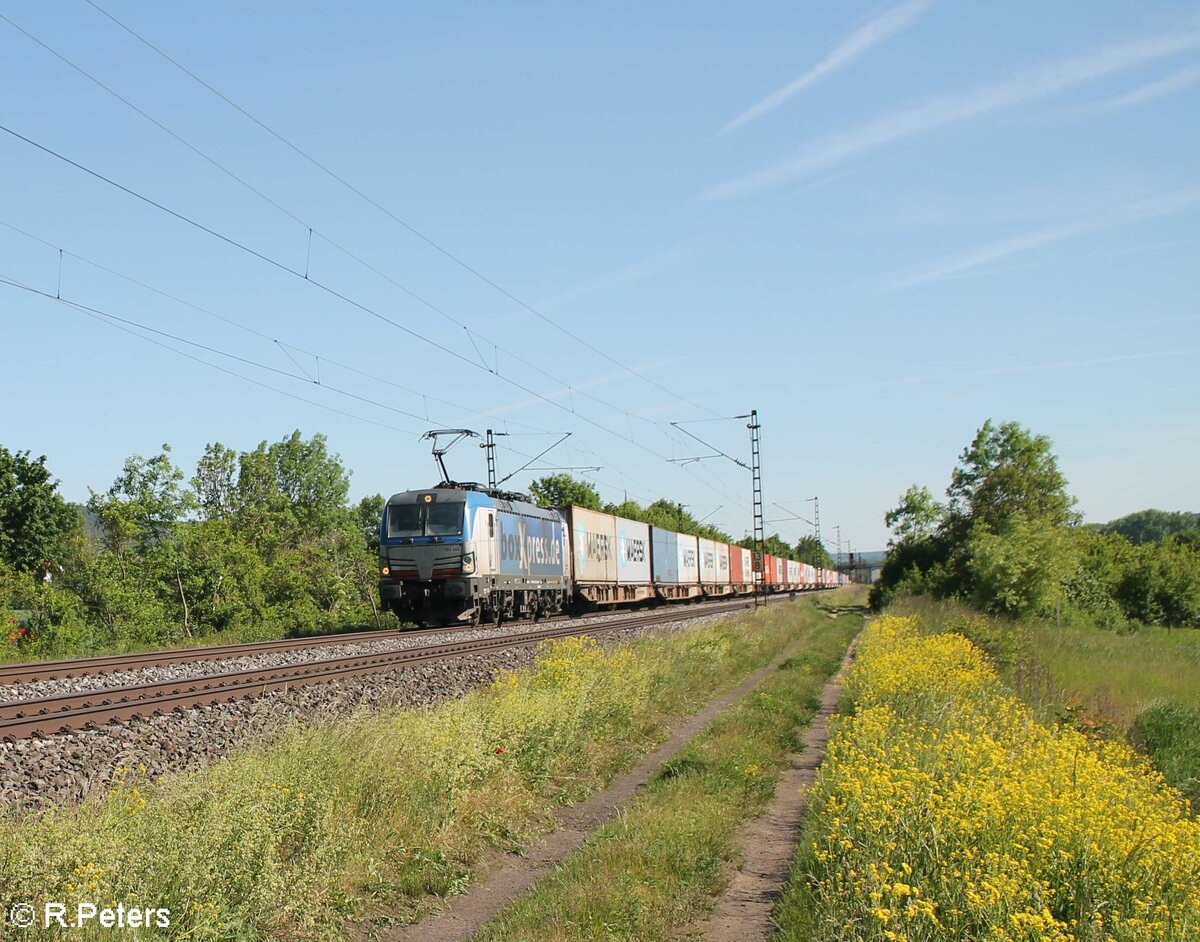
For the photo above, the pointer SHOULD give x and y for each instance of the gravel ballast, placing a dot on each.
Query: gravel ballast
(72, 766)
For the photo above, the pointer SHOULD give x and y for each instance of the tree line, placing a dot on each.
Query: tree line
(251, 545)
(562, 490)
(255, 544)
(1009, 539)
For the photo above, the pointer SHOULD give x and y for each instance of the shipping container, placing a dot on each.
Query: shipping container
(741, 570)
(714, 567)
(633, 552)
(793, 573)
(707, 550)
(610, 557)
(664, 556)
(673, 565)
(689, 559)
(724, 551)
(736, 569)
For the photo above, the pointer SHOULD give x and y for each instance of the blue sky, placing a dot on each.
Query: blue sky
(879, 225)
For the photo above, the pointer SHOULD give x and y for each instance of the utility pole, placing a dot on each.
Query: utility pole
(490, 446)
(756, 474)
(838, 560)
(816, 502)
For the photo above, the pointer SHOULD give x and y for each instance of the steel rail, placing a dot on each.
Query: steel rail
(21, 719)
(111, 664)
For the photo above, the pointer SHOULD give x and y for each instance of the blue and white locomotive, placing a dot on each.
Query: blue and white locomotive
(456, 554)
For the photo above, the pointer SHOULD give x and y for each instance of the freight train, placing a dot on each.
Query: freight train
(461, 554)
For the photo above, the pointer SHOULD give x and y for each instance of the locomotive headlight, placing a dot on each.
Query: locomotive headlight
(386, 570)
(468, 563)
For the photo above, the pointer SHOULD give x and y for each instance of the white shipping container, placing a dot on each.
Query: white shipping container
(593, 545)
(723, 550)
(708, 560)
(689, 562)
(633, 552)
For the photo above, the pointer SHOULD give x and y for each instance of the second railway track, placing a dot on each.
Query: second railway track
(44, 716)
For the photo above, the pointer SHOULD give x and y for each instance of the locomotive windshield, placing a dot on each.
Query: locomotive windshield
(438, 519)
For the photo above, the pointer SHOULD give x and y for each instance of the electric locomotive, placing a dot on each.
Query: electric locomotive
(458, 553)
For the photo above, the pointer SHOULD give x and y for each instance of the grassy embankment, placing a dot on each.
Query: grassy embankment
(20, 654)
(656, 869)
(1144, 685)
(946, 810)
(344, 821)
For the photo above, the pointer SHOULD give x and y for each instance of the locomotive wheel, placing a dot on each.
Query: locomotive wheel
(535, 609)
(497, 610)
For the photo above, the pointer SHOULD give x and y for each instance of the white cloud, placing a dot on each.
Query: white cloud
(856, 44)
(1168, 85)
(1162, 205)
(1037, 83)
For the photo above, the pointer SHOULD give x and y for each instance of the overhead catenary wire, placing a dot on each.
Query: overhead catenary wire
(118, 319)
(389, 213)
(310, 230)
(281, 266)
(270, 338)
(549, 399)
(99, 315)
(104, 319)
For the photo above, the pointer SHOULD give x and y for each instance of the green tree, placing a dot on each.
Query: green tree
(215, 481)
(1154, 526)
(562, 490)
(313, 483)
(143, 505)
(1020, 569)
(36, 525)
(917, 515)
(1008, 470)
(773, 545)
(369, 514)
(812, 551)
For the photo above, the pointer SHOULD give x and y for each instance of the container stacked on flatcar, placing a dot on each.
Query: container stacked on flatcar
(457, 554)
(610, 557)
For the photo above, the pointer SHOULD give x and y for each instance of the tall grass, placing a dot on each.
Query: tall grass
(656, 869)
(1143, 686)
(355, 819)
(945, 810)
(1111, 676)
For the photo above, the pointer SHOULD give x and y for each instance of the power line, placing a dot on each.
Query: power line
(117, 319)
(391, 215)
(107, 319)
(254, 331)
(326, 288)
(318, 284)
(337, 294)
(471, 334)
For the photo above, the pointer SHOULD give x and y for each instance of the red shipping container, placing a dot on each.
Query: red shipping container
(735, 565)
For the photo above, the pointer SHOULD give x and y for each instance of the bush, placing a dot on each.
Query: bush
(1170, 735)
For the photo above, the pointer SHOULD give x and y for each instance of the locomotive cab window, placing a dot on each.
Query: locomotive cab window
(444, 519)
(412, 520)
(404, 520)
(491, 524)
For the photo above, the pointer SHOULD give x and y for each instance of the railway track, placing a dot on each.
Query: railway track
(99, 666)
(45, 716)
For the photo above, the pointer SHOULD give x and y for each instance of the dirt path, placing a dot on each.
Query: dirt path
(467, 913)
(743, 913)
